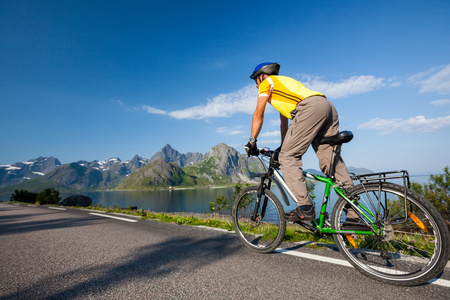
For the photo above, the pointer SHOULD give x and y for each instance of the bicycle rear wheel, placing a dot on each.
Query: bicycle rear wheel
(414, 245)
(259, 223)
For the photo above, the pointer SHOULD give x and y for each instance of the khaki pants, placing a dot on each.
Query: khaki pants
(314, 118)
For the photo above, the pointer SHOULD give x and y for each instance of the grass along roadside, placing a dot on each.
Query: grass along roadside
(294, 233)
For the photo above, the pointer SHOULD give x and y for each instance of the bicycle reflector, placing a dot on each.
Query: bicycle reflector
(351, 240)
(417, 221)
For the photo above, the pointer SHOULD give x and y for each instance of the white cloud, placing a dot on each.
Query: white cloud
(220, 64)
(118, 102)
(227, 131)
(152, 110)
(223, 105)
(269, 142)
(244, 100)
(440, 102)
(271, 133)
(394, 82)
(352, 86)
(434, 80)
(415, 124)
(275, 122)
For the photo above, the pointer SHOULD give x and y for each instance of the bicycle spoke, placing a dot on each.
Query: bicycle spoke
(259, 224)
(411, 245)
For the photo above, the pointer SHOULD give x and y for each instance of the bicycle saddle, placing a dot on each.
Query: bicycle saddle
(338, 139)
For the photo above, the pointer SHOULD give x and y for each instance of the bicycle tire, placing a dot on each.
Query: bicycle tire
(266, 233)
(408, 252)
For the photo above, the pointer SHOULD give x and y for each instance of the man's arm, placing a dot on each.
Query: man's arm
(283, 127)
(258, 116)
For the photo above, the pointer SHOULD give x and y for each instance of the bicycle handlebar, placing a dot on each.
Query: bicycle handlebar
(266, 152)
(262, 151)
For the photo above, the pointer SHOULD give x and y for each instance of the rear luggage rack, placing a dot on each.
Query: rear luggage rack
(380, 178)
(383, 177)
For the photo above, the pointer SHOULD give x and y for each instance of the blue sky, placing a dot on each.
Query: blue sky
(91, 80)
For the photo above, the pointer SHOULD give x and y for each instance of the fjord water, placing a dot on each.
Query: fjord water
(187, 200)
(179, 200)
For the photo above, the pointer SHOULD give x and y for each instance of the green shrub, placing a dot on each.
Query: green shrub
(24, 196)
(437, 192)
(310, 185)
(222, 204)
(48, 196)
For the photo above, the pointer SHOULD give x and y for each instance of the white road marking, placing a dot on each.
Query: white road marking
(58, 208)
(113, 217)
(437, 281)
(216, 229)
(315, 257)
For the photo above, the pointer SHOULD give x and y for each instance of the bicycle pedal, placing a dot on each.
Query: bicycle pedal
(299, 223)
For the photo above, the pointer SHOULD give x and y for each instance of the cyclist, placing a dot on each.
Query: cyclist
(313, 117)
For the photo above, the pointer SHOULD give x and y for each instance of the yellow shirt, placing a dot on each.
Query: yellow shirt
(285, 93)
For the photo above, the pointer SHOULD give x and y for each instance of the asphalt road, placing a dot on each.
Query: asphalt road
(72, 254)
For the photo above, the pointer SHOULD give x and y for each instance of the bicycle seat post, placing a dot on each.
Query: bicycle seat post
(336, 141)
(334, 155)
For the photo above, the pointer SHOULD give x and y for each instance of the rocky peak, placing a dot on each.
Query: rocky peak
(171, 155)
(136, 162)
(224, 151)
(20, 171)
(44, 164)
(167, 153)
(158, 173)
(222, 164)
(228, 157)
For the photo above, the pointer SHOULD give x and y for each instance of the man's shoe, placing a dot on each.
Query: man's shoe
(301, 213)
(355, 224)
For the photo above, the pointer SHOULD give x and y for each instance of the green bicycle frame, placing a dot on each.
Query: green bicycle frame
(318, 225)
(329, 184)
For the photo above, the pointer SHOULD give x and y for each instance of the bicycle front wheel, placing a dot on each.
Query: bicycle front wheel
(413, 245)
(259, 223)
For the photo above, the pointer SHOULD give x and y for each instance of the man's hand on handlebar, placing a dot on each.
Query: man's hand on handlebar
(276, 155)
(251, 149)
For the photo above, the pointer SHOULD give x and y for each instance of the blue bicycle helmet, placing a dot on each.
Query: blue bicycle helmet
(265, 68)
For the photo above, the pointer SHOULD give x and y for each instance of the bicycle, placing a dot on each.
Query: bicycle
(408, 242)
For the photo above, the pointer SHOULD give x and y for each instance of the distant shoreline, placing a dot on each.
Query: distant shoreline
(166, 188)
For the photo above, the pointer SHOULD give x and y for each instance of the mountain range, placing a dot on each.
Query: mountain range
(21, 171)
(166, 168)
